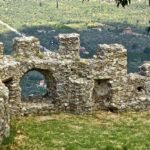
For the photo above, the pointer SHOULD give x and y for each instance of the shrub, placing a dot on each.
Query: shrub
(147, 50)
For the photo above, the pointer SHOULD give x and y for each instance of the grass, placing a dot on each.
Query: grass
(100, 131)
(22, 13)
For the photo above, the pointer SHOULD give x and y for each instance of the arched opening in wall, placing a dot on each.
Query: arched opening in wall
(38, 85)
(102, 92)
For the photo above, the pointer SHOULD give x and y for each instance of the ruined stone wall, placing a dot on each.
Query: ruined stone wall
(132, 91)
(75, 84)
(1, 50)
(109, 67)
(26, 47)
(4, 112)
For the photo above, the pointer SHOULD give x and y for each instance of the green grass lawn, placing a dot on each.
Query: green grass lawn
(21, 13)
(100, 131)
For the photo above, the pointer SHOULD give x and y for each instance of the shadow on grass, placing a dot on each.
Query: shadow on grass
(90, 37)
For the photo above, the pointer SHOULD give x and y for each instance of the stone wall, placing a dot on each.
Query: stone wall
(1, 50)
(4, 112)
(75, 84)
(26, 47)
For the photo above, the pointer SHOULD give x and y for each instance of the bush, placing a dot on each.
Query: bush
(134, 46)
(147, 50)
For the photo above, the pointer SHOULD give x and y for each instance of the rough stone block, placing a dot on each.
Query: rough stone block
(145, 69)
(26, 46)
(69, 45)
(110, 51)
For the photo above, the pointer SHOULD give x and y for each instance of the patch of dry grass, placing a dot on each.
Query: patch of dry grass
(102, 131)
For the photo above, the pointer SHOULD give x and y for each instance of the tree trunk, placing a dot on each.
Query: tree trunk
(57, 4)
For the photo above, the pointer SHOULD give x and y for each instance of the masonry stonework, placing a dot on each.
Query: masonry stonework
(4, 112)
(1, 50)
(75, 84)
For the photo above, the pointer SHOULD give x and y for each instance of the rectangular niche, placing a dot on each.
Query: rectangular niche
(102, 92)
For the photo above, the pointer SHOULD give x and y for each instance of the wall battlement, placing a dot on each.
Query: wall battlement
(75, 84)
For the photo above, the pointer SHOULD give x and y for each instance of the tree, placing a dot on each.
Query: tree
(85, 0)
(124, 3)
(148, 28)
(57, 4)
(147, 50)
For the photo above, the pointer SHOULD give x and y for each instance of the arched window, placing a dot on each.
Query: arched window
(38, 85)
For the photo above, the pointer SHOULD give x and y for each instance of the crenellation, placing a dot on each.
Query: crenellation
(26, 47)
(69, 45)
